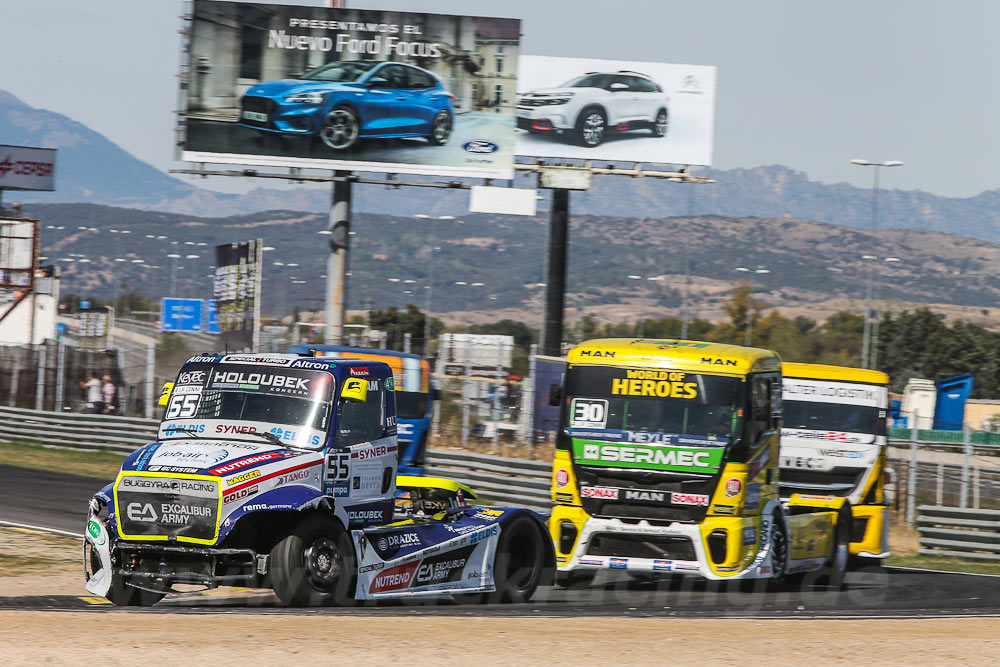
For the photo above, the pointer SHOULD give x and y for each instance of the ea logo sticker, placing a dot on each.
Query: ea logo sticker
(383, 543)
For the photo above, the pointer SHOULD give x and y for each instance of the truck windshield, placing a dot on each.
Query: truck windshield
(832, 417)
(238, 394)
(652, 401)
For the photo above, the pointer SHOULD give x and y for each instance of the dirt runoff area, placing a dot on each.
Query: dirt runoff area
(37, 564)
(32, 638)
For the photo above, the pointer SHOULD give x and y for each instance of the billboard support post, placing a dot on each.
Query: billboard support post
(337, 262)
(555, 283)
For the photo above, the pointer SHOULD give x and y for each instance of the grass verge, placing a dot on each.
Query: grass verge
(25, 552)
(942, 563)
(103, 464)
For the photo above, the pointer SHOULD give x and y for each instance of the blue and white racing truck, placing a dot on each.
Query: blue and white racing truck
(279, 471)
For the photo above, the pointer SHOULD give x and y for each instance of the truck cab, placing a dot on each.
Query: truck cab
(248, 446)
(833, 442)
(413, 392)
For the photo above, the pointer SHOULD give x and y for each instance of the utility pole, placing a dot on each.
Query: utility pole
(337, 262)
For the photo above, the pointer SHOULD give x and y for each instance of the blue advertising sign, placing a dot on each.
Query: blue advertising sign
(212, 317)
(181, 314)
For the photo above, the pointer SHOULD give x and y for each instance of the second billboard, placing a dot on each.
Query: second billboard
(359, 90)
(615, 110)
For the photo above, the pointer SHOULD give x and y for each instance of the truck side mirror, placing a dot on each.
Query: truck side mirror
(168, 387)
(555, 395)
(355, 390)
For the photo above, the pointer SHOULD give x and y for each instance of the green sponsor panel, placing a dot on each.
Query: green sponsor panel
(648, 457)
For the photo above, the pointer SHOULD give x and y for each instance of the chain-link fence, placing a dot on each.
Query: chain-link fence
(47, 376)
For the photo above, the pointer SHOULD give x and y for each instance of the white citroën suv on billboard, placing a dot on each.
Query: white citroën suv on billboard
(591, 105)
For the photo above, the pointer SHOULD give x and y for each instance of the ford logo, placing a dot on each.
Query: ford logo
(480, 146)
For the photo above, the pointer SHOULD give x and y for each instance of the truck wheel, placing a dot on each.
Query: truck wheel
(779, 554)
(833, 572)
(314, 565)
(578, 579)
(123, 594)
(517, 567)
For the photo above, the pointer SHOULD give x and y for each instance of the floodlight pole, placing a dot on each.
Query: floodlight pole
(337, 262)
(555, 283)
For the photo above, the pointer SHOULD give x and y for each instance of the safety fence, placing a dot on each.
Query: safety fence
(76, 431)
(959, 532)
(959, 475)
(495, 479)
(956, 474)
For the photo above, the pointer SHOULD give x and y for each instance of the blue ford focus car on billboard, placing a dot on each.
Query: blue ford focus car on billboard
(342, 102)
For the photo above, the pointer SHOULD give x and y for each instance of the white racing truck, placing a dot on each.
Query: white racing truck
(833, 443)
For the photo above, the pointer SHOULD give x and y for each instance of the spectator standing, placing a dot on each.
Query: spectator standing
(93, 387)
(108, 394)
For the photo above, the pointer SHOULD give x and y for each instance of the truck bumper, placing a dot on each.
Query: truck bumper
(584, 542)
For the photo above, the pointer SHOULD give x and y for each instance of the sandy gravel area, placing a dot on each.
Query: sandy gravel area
(32, 638)
(38, 564)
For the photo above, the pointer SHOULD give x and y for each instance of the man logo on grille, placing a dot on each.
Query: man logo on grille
(138, 512)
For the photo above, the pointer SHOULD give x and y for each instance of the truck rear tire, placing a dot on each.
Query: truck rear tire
(517, 567)
(315, 564)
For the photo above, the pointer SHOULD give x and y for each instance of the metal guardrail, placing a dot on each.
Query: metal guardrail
(497, 479)
(494, 478)
(959, 532)
(75, 430)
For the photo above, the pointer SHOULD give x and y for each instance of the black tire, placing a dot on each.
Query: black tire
(591, 127)
(661, 123)
(122, 594)
(517, 566)
(441, 129)
(779, 553)
(341, 128)
(832, 574)
(315, 565)
(578, 579)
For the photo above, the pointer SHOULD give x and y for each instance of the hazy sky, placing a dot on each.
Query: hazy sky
(802, 83)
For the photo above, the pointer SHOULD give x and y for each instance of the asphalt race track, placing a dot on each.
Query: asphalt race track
(55, 500)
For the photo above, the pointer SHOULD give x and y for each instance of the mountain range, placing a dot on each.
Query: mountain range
(92, 169)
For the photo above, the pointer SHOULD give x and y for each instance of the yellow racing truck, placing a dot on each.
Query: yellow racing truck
(833, 443)
(666, 463)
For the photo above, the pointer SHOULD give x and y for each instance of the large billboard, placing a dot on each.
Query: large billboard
(615, 110)
(24, 168)
(19, 241)
(237, 294)
(351, 89)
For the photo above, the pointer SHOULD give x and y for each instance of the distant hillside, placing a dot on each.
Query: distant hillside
(92, 169)
(809, 262)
